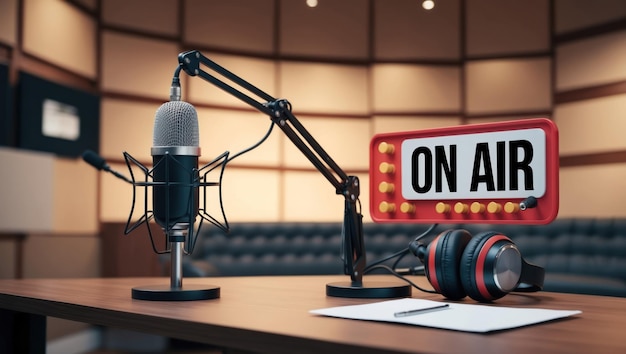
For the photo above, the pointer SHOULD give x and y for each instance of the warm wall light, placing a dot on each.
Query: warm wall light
(311, 3)
(428, 4)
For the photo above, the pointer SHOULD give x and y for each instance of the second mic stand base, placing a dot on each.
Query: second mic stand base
(167, 293)
(368, 290)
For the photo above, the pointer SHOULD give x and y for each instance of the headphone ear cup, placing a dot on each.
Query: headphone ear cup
(441, 262)
(478, 263)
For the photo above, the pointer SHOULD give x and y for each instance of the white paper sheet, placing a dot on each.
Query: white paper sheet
(459, 317)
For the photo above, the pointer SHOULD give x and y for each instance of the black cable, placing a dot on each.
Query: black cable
(401, 253)
(396, 274)
(227, 159)
(269, 131)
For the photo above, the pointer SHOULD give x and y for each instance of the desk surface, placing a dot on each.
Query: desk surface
(270, 314)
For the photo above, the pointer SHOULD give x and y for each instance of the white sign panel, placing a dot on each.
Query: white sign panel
(504, 164)
(60, 120)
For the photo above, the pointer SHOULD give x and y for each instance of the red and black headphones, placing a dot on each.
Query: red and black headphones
(484, 267)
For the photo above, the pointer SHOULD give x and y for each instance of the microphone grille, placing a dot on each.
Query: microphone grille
(176, 124)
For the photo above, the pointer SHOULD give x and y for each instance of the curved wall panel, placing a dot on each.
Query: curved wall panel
(346, 140)
(507, 27)
(391, 124)
(572, 16)
(251, 195)
(137, 65)
(325, 88)
(261, 73)
(226, 130)
(308, 196)
(590, 62)
(154, 16)
(508, 85)
(401, 88)
(325, 31)
(591, 126)
(8, 21)
(74, 213)
(239, 25)
(126, 126)
(405, 31)
(592, 190)
(71, 46)
(116, 197)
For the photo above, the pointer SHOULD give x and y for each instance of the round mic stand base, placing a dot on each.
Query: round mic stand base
(368, 289)
(176, 291)
(167, 293)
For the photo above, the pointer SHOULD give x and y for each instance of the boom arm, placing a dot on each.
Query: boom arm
(279, 111)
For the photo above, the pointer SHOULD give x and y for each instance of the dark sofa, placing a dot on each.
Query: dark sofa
(580, 255)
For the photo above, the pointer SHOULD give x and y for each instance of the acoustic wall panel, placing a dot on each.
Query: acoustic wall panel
(405, 31)
(391, 124)
(324, 88)
(240, 25)
(8, 21)
(75, 189)
(308, 196)
(71, 46)
(260, 73)
(324, 31)
(402, 88)
(91, 5)
(590, 62)
(507, 27)
(570, 16)
(116, 196)
(590, 126)
(137, 65)
(159, 17)
(508, 85)
(250, 195)
(126, 126)
(346, 140)
(592, 191)
(234, 131)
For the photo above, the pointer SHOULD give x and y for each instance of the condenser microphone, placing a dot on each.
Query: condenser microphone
(175, 184)
(175, 155)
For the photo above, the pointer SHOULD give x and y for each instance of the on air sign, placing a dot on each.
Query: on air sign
(477, 173)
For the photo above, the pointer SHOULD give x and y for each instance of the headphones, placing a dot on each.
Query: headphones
(484, 267)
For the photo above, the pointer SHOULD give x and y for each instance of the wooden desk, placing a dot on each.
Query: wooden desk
(270, 315)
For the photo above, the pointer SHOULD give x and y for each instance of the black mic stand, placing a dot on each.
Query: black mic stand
(178, 232)
(175, 291)
(279, 111)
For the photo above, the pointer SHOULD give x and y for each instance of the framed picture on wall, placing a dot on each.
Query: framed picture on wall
(56, 118)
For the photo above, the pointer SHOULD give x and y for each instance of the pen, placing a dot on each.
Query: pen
(419, 311)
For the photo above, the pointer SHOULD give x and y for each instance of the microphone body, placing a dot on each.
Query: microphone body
(175, 165)
(176, 201)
